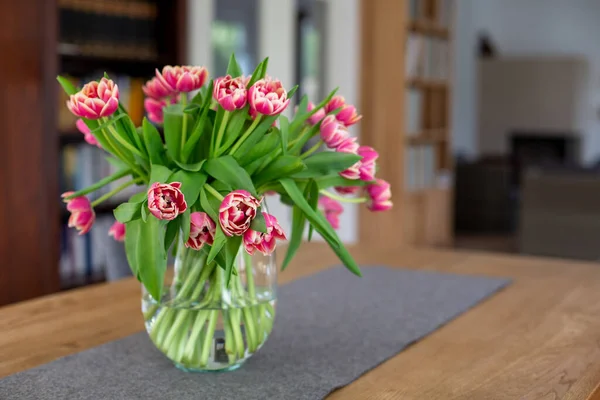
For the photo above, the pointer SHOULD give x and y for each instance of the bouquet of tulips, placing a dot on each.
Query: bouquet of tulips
(220, 152)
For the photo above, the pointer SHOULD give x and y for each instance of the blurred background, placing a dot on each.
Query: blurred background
(486, 114)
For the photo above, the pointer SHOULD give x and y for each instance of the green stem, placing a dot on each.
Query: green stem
(124, 142)
(293, 142)
(117, 152)
(312, 149)
(213, 191)
(249, 276)
(101, 183)
(115, 191)
(184, 125)
(246, 134)
(343, 199)
(221, 131)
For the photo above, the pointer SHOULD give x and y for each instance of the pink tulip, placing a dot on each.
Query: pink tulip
(117, 231)
(165, 200)
(347, 190)
(154, 107)
(316, 117)
(379, 196)
(332, 209)
(156, 89)
(349, 145)
(95, 100)
(264, 242)
(367, 167)
(230, 92)
(347, 114)
(237, 211)
(332, 133)
(87, 134)
(82, 214)
(268, 97)
(182, 78)
(202, 231)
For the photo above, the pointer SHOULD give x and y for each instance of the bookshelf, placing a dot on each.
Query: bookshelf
(78, 38)
(413, 130)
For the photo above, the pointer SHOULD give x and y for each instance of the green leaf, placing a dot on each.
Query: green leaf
(153, 142)
(132, 238)
(284, 125)
(327, 163)
(218, 243)
(314, 130)
(233, 68)
(221, 187)
(195, 167)
(138, 197)
(312, 195)
(255, 136)
(325, 182)
(210, 205)
(321, 225)
(191, 108)
(160, 174)
(298, 222)
(184, 221)
(117, 163)
(301, 118)
(232, 248)
(144, 211)
(171, 233)
(226, 169)
(191, 183)
(259, 72)
(281, 167)
(173, 125)
(266, 145)
(234, 129)
(127, 212)
(152, 257)
(201, 128)
(292, 91)
(258, 223)
(128, 126)
(67, 86)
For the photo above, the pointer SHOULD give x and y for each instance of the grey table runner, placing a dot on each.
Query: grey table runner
(330, 329)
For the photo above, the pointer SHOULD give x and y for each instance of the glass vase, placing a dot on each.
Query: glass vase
(203, 324)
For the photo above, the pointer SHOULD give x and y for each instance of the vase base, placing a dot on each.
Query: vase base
(197, 370)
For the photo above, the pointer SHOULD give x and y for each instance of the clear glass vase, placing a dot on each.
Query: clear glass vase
(201, 324)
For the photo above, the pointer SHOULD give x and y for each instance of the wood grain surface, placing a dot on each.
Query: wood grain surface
(537, 339)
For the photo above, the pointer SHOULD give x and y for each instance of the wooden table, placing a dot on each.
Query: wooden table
(537, 339)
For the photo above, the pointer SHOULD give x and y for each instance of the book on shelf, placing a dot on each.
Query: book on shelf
(131, 97)
(413, 9)
(413, 105)
(427, 57)
(420, 165)
(446, 13)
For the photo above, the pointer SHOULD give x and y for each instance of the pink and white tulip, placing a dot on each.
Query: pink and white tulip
(95, 100)
(347, 115)
(230, 92)
(154, 107)
(317, 116)
(117, 231)
(166, 201)
(82, 213)
(332, 132)
(347, 190)
(379, 196)
(182, 78)
(202, 231)
(267, 97)
(349, 145)
(332, 209)
(237, 211)
(87, 134)
(156, 89)
(264, 242)
(367, 166)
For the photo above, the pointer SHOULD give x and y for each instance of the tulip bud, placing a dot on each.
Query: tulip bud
(379, 196)
(332, 209)
(117, 231)
(230, 92)
(264, 242)
(268, 97)
(202, 231)
(316, 117)
(347, 115)
(87, 134)
(82, 214)
(237, 211)
(367, 164)
(166, 201)
(182, 78)
(95, 100)
(349, 145)
(332, 133)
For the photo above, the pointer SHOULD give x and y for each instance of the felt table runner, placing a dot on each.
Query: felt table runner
(330, 328)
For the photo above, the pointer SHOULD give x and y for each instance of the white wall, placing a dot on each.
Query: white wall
(529, 27)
